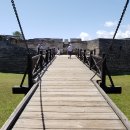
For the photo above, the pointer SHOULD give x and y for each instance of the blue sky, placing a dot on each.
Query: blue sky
(86, 19)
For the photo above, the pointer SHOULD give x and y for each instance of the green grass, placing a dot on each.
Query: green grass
(8, 101)
(122, 100)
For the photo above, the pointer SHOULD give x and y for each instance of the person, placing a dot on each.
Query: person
(69, 50)
(41, 47)
(58, 51)
(38, 48)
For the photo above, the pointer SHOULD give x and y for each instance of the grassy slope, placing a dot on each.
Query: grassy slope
(8, 101)
(122, 100)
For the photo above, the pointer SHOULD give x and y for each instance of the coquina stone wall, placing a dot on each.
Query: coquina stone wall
(75, 46)
(118, 55)
(13, 58)
(46, 43)
(13, 54)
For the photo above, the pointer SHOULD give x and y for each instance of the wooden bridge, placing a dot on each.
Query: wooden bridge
(67, 99)
(61, 96)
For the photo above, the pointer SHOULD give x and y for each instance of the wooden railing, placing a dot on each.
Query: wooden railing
(99, 66)
(35, 66)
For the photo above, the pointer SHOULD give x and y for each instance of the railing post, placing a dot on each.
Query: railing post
(94, 51)
(49, 54)
(90, 59)
(30, 77)
(53, 53)
(41, 60)
(84, 57)
(80, 54)
(47, 57)
(103, 72)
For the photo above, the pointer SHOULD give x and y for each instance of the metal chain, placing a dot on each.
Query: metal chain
(16, 14)
(120, 20)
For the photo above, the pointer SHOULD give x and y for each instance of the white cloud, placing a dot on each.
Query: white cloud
(125, 34)
(120, 34)
(84, 36)
(104, 34)
(110, 24)
(124, 31)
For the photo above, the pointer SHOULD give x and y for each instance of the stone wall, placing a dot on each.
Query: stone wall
(13, 54)
(93, 44)
(79, 45)
(13, 58)
(46, 43)
(118, 56)
(75, 46)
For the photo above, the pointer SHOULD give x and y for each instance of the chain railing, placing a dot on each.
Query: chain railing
(35, 65)
(99, 66)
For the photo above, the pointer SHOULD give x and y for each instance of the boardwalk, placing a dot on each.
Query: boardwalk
(68, 100)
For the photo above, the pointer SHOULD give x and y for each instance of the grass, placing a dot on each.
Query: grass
(8, 101)
(122, 100)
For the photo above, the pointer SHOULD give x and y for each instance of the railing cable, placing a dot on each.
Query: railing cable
(41, 101)
(119, 23)
(18, 20)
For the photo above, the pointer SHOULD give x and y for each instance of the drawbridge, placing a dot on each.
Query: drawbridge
(66, 98)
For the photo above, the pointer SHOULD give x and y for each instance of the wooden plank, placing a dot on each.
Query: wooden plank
(67, 83)
(68, 75)
(70, 103)
(68, 109)
(59, 129)
(71, 78)
(68, 99)
(70, 124)
(68, 89)
(69, 116)
(67, 94)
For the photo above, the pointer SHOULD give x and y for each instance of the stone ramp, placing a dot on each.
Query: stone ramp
(68, 100)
